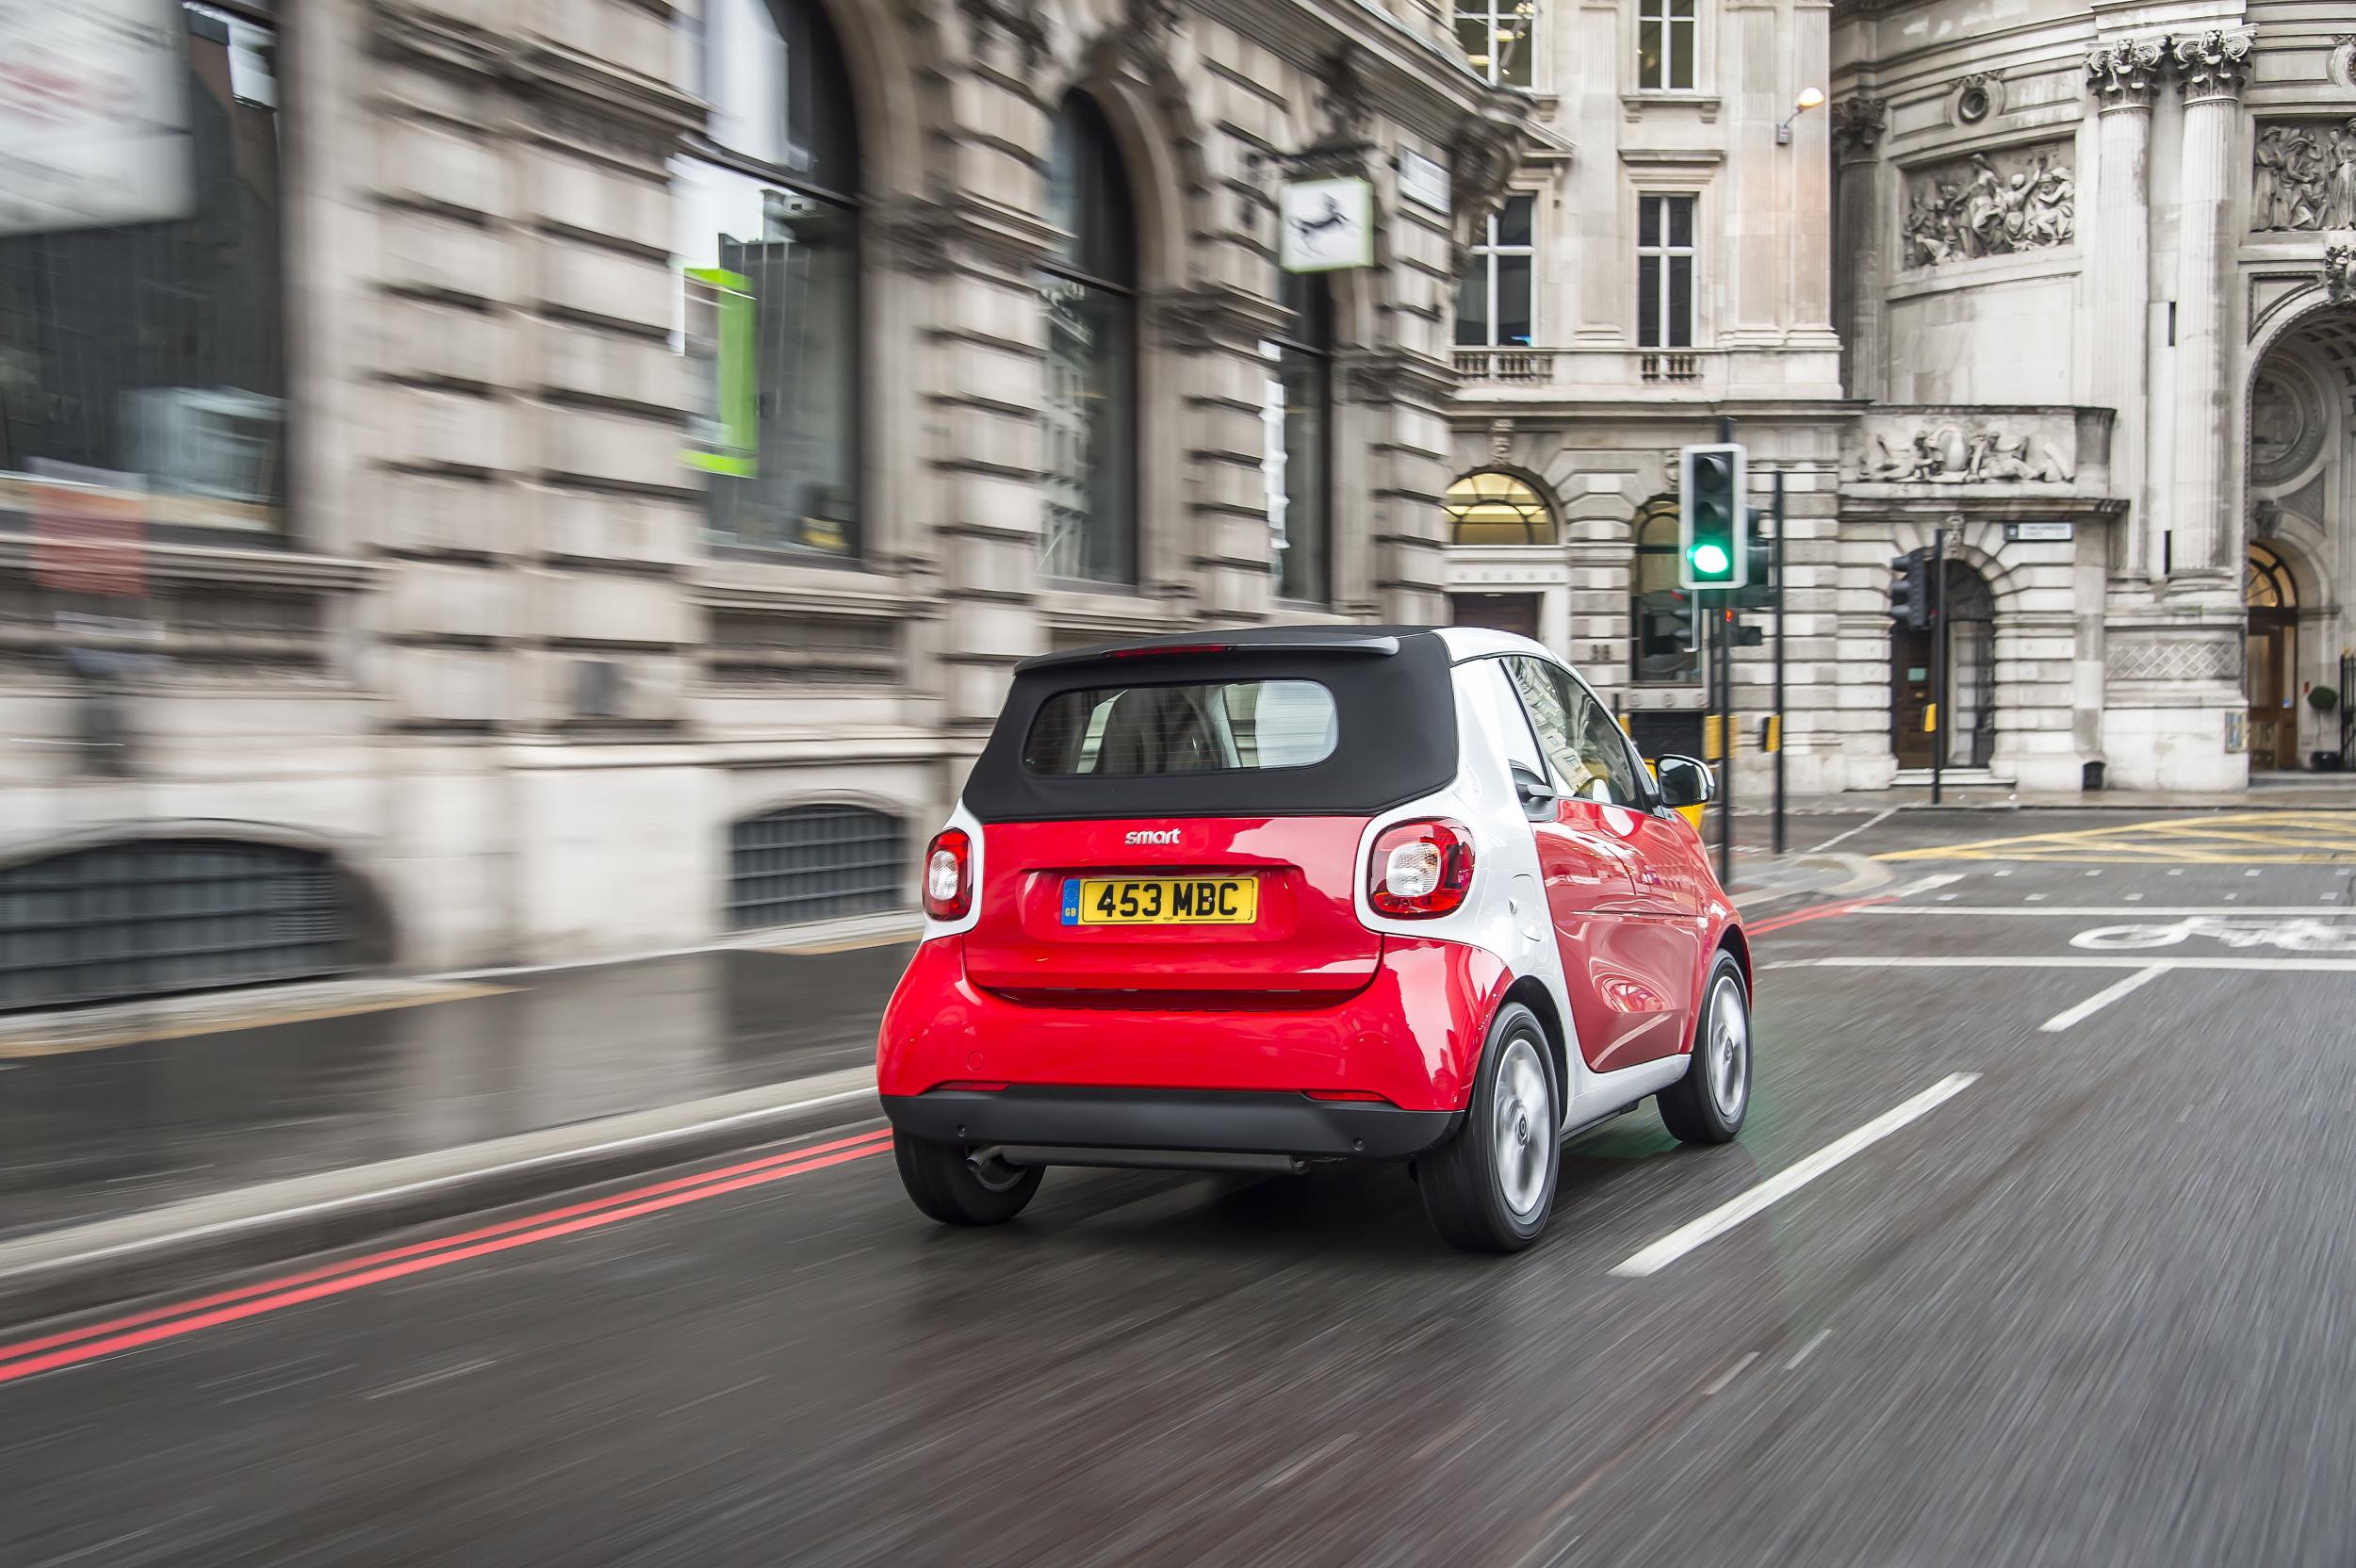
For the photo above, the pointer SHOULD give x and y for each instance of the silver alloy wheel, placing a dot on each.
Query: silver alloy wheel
(1730, 1048)
(1524, 1127)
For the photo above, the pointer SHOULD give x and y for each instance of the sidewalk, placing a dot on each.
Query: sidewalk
(124, 1109)
(2266, 793)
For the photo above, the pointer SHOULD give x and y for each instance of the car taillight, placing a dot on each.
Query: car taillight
(1419, 870)
(949, 875)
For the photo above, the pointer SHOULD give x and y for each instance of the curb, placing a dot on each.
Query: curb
(73, 1269)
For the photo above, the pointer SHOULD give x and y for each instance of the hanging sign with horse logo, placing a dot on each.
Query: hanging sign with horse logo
(1327, 225)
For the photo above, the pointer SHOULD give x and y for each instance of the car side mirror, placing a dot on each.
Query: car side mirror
(1536, 796)
(1685, 782)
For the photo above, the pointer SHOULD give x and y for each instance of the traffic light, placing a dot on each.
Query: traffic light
(1910, 591)
(1711, 486)
(1758, 564)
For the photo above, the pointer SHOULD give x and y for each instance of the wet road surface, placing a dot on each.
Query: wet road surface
(90, 1132)
(2099, 1306)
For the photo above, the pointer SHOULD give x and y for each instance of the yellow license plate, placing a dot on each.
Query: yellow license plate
(1160, 900)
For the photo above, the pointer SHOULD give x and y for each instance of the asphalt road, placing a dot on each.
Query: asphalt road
(2096, 1306)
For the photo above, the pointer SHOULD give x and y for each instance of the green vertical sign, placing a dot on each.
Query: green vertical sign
(720, 333)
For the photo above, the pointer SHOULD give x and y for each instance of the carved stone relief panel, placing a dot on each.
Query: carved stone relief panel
(1943, 447)
(2303, 176)
(2287, 423)
(1987, 205)
(2173, 658)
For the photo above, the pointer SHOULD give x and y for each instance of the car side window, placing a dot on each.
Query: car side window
(1585, 746)
(1608, 750)
(1487, 690)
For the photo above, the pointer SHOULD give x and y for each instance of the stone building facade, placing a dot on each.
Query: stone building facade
(2083, 322)
(676, 420)
(2121, 221)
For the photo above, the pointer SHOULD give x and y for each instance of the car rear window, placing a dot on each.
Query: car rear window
(1240, 731)
(1197, 727)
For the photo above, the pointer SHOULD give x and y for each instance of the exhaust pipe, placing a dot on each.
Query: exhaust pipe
(1144, 1159)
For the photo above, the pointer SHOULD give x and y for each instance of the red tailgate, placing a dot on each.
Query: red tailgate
(1305, 946)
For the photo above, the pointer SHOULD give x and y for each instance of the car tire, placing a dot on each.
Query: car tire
(1490, 1187)
(1708, 1104)
(947, 1185)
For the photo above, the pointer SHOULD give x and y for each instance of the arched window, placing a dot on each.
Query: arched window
(1299, 464)
(815, 862)
(1088, 289)
(1491, 508)
(1666, 644)
(768, 218)
(2265, 582)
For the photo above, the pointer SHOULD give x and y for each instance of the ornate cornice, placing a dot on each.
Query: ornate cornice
(1211, 316)
(1014, 23)
(1858, 123)
(2124, 74)
(2215, 64)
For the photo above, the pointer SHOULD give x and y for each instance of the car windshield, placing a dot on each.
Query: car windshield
(1141, 731)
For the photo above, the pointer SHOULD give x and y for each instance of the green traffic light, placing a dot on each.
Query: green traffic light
(1711, 560)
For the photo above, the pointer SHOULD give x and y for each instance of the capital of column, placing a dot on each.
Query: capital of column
(1857, 123)
(2124, 74)
(2215, 64)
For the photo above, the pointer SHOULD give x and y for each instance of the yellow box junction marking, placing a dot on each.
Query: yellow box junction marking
(2238, 839)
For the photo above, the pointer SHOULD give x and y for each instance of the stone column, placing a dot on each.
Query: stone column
(1856, 302)
(2123, 76)
(2212, 69)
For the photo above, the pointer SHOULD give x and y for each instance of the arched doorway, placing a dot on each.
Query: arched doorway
(2270, 672)
(1968, 720)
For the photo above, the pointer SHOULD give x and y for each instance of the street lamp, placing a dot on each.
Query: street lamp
(1810, 98)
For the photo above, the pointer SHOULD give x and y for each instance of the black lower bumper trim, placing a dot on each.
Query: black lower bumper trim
(1202, 1120)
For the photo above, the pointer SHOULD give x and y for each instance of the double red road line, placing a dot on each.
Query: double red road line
(91, 1340)
(1814, 911)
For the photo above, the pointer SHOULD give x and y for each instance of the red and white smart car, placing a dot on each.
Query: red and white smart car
(1260, 898)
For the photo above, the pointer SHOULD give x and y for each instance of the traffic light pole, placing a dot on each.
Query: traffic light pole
(1939, 658)
(1783, 729)
(1722, 629)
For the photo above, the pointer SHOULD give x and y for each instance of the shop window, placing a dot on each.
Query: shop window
(768, 212)
(153, 917)
(815, 862)
(1494, 36)
(1493, 297)
(1665, 641)
(1492, 508)
(1088, 290)
(1665, 45)
(1664, 271)
(1297, 466)
(141, 322)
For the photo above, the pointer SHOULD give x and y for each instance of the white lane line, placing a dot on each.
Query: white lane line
(1729, 1376)
(1853, 832)
(1810, 1349)
(2101, 999)
(1784, 1183)
(2053, 911)
(1944, 879)
(2310, 966)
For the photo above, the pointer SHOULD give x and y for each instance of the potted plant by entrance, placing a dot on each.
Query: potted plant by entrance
(2323, 699)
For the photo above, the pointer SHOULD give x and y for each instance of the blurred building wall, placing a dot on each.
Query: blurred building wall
(444, 558)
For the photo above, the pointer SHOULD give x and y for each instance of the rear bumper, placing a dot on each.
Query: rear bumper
(1412, 1036)
(1216, 1122)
